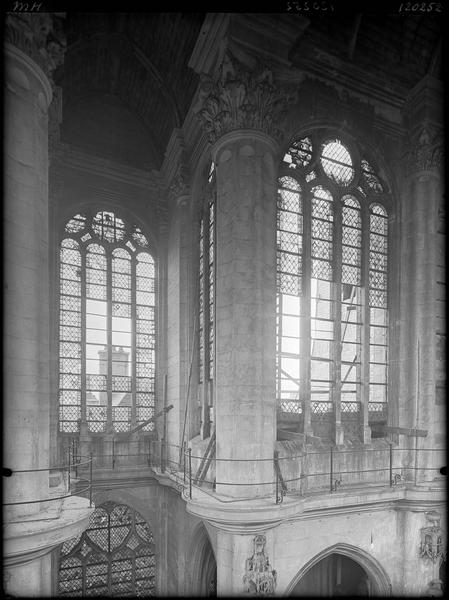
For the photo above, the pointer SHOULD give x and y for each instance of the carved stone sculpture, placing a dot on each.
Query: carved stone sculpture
(259, 578)
(432, 538)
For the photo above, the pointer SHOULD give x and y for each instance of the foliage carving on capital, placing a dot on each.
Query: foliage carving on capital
(39, 35)
(180, 185)
(426, 150)
(239, 98)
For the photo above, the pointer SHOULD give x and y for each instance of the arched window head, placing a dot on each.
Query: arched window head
(115, 556)
(332, 287)
(107, 332)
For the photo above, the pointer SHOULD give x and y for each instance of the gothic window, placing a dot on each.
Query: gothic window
(107, 333)
(207, 282)
(114, 557)
(332, 286)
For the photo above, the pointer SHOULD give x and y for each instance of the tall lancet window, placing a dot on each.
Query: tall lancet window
(107, 325)
(206, 296)
(332, 288)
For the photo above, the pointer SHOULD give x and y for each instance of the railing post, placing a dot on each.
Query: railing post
(184, 460)
(190, 472)
(75, 459)
(149, 452)
(90, 478)
(277, 478)
(391, 464)
(70, 470)
(113, 453)
(162, 455)
(332, 470)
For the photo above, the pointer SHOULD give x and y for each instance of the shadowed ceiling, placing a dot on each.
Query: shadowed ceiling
(126, 84)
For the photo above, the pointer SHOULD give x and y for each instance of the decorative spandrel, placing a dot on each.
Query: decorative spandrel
(259, 578)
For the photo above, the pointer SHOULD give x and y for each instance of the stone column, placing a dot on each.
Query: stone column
(422, 280)
(28, 94)
(177, 351)
(240, 110)
(28, 537)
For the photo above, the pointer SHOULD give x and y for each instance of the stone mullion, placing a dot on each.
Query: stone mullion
(83, 428)
(365, 330)
(306, 338)
(134, 342)
(336, 309)
(109, 385)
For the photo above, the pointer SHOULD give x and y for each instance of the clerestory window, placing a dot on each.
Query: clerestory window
(206, 333)
(107, 325)
(332, 289)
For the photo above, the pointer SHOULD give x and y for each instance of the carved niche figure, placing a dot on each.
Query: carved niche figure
(432, 538)
(259, 578)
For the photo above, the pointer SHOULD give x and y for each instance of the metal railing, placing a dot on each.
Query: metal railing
(390, 466)
(306, 472)
(77, 462)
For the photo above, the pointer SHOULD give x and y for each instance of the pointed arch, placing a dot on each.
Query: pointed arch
(381, 583)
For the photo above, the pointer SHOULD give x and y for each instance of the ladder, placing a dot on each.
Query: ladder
(206, 460)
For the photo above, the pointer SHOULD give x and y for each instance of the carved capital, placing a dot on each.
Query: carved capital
(425, 150)
(239, 98)
(39, 35)
(180, 185)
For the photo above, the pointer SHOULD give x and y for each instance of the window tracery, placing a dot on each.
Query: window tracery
(107, 332)
(115, 556)
(332, 284)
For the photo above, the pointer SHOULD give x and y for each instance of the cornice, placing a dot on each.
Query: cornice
(258, 515)
(72, 158)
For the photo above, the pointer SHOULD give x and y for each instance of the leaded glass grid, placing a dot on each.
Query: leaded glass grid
(101, 288)
(332, 258)
(115, 556)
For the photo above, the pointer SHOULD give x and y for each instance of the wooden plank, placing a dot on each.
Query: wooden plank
(409, 432)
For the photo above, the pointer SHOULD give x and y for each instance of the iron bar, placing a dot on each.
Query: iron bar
(190, 472)
(331, 469)
(391, 464)
(90, 480)
(162, 455)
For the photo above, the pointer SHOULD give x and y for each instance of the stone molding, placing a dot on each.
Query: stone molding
(39, 35)
(240, 98)
(426, 150)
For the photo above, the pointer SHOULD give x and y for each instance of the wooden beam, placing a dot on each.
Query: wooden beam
(409, 432)
(159, 414)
